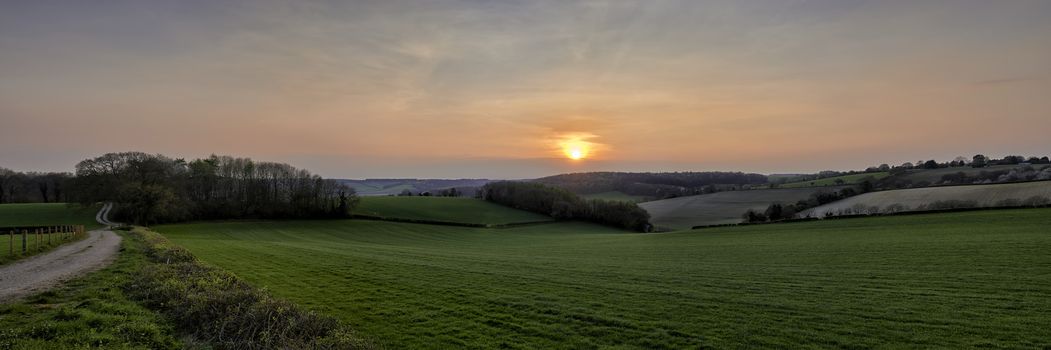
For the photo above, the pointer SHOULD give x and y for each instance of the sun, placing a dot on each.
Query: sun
(576, 149)
(575, 154)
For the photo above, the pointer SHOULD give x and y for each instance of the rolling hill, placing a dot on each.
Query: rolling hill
(384, 187)
(951, 280)
(1010, 194)
(934, 176)
(720, 207)
(831, 181)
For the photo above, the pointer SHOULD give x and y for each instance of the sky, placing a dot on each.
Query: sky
(496, 89)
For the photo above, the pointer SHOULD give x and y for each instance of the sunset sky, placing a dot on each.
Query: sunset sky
(355, 89)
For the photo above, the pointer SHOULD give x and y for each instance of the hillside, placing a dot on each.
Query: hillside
(934, 176)
(984, 280)
(615, 196)
(1011, 194)
(721, 207)
(651, 185)
(383, 187)
(836, 180)
(448, 209)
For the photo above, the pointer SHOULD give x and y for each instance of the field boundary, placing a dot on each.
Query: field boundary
(448, 223)
(857, 216)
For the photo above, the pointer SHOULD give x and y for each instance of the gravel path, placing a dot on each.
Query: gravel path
(42, 272)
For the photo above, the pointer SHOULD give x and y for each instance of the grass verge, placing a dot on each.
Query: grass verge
(158, 296)
(89, 312)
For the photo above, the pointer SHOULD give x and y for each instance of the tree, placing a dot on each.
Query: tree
(752, 216)
(562, 204)
(930, 164)
(152, 189)
(884, 167)
(979, 161)
(774, 212)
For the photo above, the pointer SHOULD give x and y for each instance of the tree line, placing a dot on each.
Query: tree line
(153, 188)
(654, 185)
(562, 204)
(32, 187)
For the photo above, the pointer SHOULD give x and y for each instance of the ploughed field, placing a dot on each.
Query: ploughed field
(939, 280)
(978, 196)
(721, 207)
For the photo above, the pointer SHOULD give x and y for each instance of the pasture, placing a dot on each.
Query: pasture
(910, 199)
(30, 214)
(954, 280)
(720, 207)
(449, 209)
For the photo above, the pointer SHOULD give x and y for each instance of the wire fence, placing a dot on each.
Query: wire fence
(28, 240)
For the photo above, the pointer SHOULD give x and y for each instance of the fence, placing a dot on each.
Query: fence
(21, 238)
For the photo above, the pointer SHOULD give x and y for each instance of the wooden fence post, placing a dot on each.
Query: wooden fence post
(24, 242)
(12, 234)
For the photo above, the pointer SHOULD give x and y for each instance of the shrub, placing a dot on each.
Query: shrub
(217, 307)
(951, 204)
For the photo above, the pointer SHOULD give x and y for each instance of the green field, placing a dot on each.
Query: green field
(39, 214)
(974, 279)
(450, 209)
(47, 214)
(615, 196)
(831, 181)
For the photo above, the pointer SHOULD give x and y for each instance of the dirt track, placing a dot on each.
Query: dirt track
(42, 272)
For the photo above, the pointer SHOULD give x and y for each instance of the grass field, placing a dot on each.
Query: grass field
(720, 207)
(982, 195)
(615, 196)
(47, 214)
(39, 214)
(831, 181)
(451, 209)
(957, 280)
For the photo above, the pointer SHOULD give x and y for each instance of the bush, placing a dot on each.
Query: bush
(217, 307)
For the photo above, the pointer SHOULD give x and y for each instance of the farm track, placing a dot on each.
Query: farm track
(45, 271)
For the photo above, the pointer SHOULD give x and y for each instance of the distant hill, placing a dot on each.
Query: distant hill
(722, 207)
(384, 187)
(652, 185)
(940, 197)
